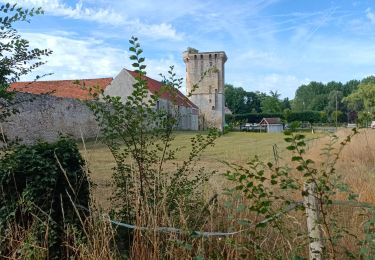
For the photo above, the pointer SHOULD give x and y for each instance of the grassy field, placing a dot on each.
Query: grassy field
(356, 165)
(234, 147)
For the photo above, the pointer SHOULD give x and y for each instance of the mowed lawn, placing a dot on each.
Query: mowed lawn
(234, 147)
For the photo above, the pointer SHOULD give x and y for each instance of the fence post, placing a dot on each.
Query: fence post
(311, 204)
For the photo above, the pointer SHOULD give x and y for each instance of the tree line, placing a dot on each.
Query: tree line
(353, 101)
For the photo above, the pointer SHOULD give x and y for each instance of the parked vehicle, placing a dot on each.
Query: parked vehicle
(373, 125)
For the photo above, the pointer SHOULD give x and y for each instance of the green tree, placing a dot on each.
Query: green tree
(305, 96)
(16, 58)
(235, 99)
(286, 104)
(362, 100)
(272, 103)
(349, 87)
(240, 101)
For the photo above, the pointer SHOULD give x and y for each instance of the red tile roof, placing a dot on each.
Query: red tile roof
(70, 88)
(61, 88)
(156, 87)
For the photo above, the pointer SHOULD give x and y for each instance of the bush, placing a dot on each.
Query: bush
(40, 186)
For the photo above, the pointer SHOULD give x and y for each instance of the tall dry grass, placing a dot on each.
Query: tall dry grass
(96, 242)
(284, 238)
(356, 163)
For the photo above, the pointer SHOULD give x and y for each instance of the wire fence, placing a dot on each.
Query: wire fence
(287, 209)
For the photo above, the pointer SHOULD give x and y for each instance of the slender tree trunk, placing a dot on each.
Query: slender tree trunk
(311, 204)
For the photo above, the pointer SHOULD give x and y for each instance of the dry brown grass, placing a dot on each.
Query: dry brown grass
(356, 165)
(97, 242)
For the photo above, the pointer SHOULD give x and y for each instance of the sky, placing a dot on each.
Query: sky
(271, 45)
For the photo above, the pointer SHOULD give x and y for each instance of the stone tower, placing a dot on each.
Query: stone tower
(205, 83)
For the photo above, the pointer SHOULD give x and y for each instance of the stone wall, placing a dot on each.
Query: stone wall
(44, 117)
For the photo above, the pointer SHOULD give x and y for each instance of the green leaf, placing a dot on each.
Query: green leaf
(300, 168)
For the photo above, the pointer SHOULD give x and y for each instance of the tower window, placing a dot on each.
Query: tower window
(210, 100)
(213, 107)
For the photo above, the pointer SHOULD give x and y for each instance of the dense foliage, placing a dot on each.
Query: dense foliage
(315, 102)
(287, 116)
(43, 187)
(240, 101)
(363, 100)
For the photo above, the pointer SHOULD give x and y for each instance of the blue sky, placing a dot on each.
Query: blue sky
(270, 44)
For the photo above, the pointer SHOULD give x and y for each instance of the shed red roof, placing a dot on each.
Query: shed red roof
(270, 121)
(156, 87)
(61, 88)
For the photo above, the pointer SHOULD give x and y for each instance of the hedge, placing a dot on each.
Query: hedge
(38, 186)
(306, 116)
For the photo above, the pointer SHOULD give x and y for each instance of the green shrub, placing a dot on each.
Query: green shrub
(40, 185)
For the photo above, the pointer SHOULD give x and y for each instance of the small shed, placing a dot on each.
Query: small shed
(272, 125)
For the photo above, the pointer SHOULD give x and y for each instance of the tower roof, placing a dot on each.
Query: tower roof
(205, 55)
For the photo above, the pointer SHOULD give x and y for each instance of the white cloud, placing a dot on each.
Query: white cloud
(58, 8)
(154, 31)
(74, 58)
(106, 16)
(162, 30)
(370, 15)
(77, 58)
